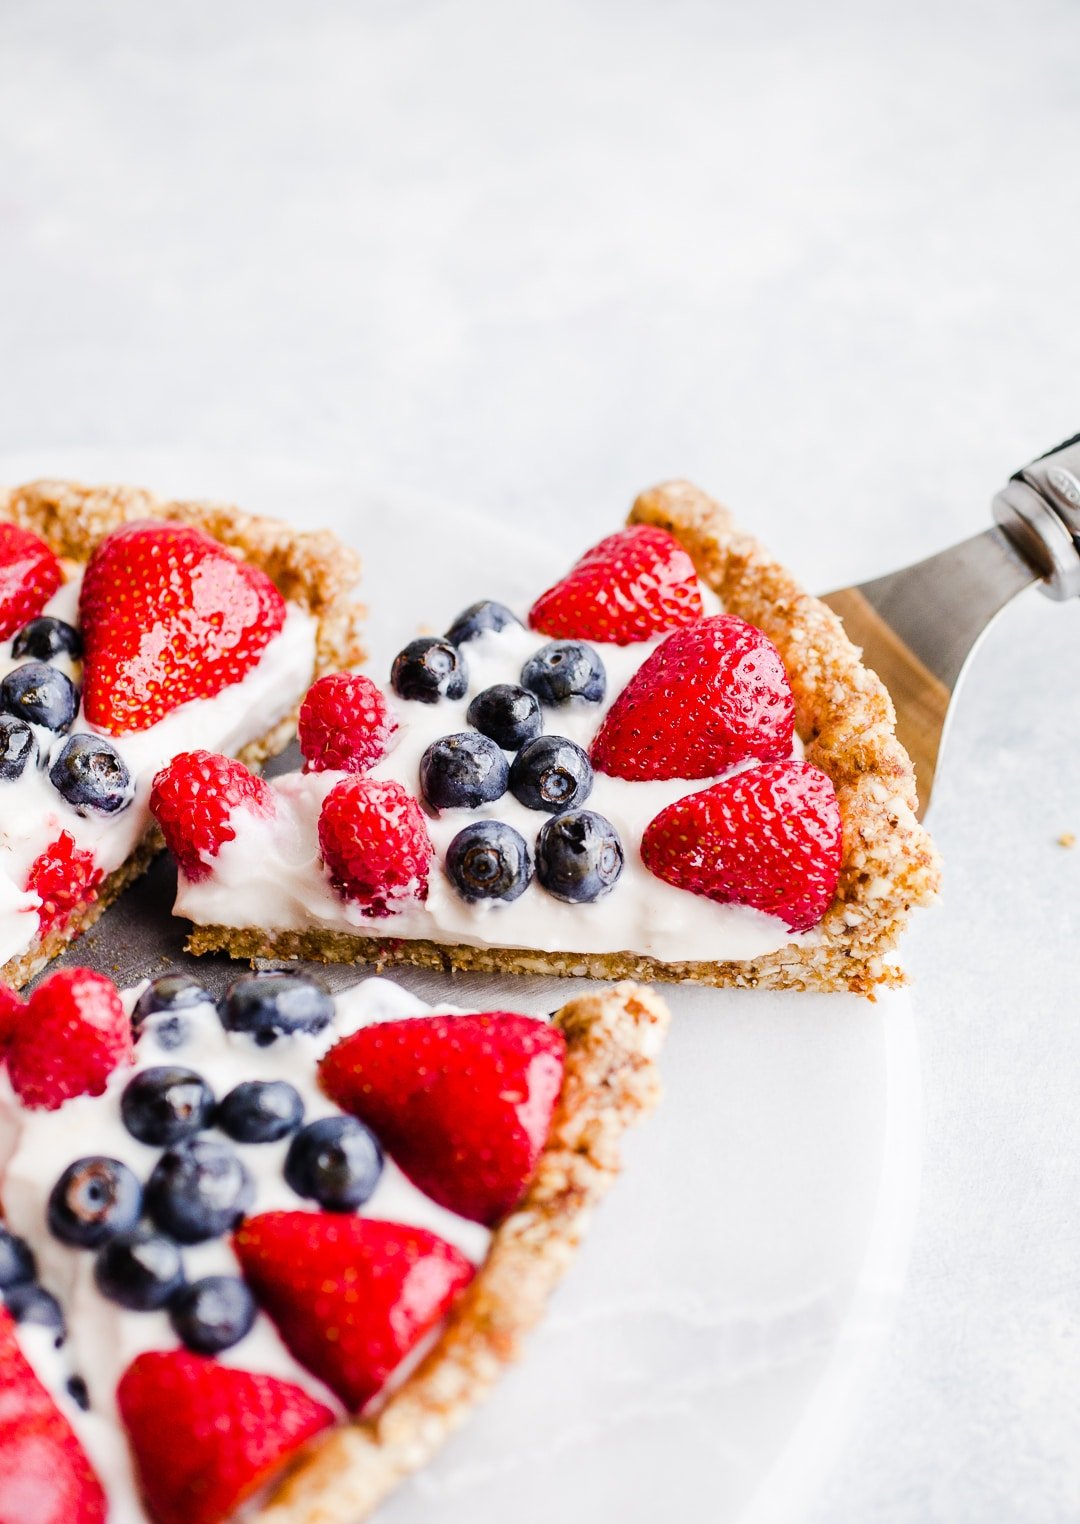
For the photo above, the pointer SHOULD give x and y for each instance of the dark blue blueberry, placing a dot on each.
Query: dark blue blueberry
(488, 860)
(142, 1270)
(478, 617)
(260, 1111)
(159, 1009)
(94, 1199)
(565, 670)
(335, 1161)
(16, 1260)
(429, 669)
(462, 771)
(199, 1189)
(43, 638)
(17, 747)
(212, 1314)
(552, 774)
(508, 714)
(31, 1303)
(578, 856)
(40, 695)
(92, 776)
(272, 1005)
(164, 1104)
(76, 1390)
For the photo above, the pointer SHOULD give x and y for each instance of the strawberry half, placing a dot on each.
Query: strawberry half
(29, 575)
(45, 1477)
(711, 696)
(350, 1296)
(64, 877)
(194, 800)
(206, 1436)
(168, 615)
(770, 837)
(633, 585)
(463, 1104)
(375, 844)
(74, 1032)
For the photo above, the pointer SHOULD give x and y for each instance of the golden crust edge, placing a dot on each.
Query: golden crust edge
(312, 568)
(610, 1082)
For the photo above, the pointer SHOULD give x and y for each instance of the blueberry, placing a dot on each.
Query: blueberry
(508, 714)
(164, 1104)
(76, 1390)
(16, 1260)
(462, 771)
(31, 1303)
(578, 856)
(272, 1005)
(212, 1314)
(488, 861)
(159, 1007)
(92, 776)
(335, 1161)
(43, 638)
(17, 747)
(260, 1111)
(478, 617)
(565, 670)
(428, 670)
(94, 1199)
(142, 1270)
(552, 774)
(40, 695)
(199, 1189)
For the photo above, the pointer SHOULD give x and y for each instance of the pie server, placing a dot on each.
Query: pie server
(919, 626)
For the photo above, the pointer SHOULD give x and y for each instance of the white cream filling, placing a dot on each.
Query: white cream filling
(271, 874)
(32, 813)
(103, 1338)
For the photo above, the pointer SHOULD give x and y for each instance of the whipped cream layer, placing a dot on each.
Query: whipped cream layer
(271, 874)
(33, 813)
(37, 1146)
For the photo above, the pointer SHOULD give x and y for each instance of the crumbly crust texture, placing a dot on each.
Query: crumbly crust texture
(846, 720)
(610, 1082)
(311, 568)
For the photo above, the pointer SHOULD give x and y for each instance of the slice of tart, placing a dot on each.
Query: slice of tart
(674, 766)
(132, 629)
(265, 1254)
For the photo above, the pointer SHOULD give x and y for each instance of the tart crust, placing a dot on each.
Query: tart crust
(845, 718)
(610, 1082)
(311, 568)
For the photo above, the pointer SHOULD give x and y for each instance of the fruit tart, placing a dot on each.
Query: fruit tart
(132, 629)
(673, 766)
(263, 1254)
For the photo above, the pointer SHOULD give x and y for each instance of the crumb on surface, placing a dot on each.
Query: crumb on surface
(1067, 839)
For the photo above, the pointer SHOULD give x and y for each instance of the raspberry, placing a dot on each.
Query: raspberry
(193, 800)
(64, 878)
(375, 844)
(75, 1033)
(345, 724)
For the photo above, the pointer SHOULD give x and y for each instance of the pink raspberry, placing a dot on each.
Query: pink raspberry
(74, 1034)
(375, 844)
(193, 800)
(345, 724)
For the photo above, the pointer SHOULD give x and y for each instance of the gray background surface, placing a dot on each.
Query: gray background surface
(822, 258)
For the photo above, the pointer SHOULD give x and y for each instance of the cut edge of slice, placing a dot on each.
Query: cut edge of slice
(610, 1082)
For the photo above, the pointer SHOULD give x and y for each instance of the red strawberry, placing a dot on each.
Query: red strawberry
(463, 1104)
(168, 615)
(29, 575)
(193, 800)
(375, 844)
(74, 1034)
(205, 1436)
(45, 1477)
(64, 878)
(351, 1296)
(769, 837)
(708, 698)
(633, 585)
(345, 724)
(12, 1007)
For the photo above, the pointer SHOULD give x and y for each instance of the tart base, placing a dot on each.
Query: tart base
(610, 1082)
(311, 568)
(846, 720)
